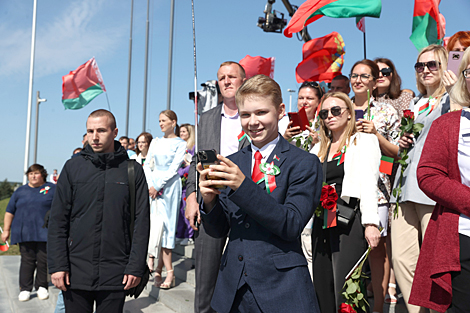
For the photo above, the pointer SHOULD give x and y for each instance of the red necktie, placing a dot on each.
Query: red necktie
(256, 175)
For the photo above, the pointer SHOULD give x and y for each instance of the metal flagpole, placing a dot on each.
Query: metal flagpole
(195, 88)
(146, 68)
(170, 55)
(365, 54)
(129, 74)
(38, 101)
(30, 95)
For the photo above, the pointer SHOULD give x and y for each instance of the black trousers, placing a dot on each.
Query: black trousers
(81, 301)
(334, 252)
(33, 257)
(207, 254)
(461, 280)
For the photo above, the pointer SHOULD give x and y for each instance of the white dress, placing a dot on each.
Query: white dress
(161, 170)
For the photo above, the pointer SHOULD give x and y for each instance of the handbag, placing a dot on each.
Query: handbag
(137, 290)
(344, 214)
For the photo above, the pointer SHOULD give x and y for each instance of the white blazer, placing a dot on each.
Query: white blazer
(361, 174)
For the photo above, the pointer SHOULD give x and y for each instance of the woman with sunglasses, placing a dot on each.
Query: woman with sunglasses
(415, 208)
(381, 120)
(389, 87)
(352, 167)
(444, 175)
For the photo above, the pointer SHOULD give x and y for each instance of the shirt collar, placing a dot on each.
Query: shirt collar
(266, 149)
(228, 116)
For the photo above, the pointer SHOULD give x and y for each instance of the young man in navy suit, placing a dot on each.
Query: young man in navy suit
(272, 191)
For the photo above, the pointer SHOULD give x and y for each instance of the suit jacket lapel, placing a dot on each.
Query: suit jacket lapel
(278, 156)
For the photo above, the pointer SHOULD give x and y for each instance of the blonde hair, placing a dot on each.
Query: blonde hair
(460, 93)
(259, 86)
(325, 134)
(440, 53)
(240, 68)
(192, 137)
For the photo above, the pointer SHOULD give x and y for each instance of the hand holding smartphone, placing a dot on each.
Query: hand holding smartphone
(299, 119)
(208, 158)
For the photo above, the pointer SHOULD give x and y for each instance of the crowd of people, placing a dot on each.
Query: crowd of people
(272, 243)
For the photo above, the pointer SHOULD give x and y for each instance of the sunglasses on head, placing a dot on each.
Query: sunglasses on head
(335, 111)
(431, 65)
(386, 71)
(313, 85)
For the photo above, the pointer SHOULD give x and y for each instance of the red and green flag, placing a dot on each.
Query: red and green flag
(257, 65)
(429, 26)
(81, 86)
(312, 10)
(323, 59)
(386, 165)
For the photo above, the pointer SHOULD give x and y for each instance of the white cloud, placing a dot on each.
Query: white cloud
(77, 32)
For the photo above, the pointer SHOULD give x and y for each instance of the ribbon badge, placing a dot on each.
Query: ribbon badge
(270, 171)
(45, 190)
(340, 156)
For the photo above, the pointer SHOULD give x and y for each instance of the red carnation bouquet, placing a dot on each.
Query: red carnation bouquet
(409, 126)
(328, 199)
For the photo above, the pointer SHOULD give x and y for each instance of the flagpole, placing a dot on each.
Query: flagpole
(129, 73)
(364, 34)
(195, 89)
(170, 55)
(30, 95)
(144, 115)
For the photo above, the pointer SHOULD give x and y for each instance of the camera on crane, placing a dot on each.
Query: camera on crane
(270, 22)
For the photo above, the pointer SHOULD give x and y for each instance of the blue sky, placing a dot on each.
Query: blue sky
(71, 32)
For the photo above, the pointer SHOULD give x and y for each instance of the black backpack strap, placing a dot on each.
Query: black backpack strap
(131, 177)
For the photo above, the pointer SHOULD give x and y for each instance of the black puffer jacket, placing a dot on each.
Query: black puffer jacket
(89, 223)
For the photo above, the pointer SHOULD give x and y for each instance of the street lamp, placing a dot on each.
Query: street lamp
(38, 100)
(290, 100)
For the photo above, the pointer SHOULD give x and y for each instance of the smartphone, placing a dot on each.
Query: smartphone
(359, 114)
(454, 61)
(299, 119)
(208, 158)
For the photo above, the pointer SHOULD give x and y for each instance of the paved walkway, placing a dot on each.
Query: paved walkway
(9, 290)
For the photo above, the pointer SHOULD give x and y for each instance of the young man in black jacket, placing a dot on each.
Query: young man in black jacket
(90, 255)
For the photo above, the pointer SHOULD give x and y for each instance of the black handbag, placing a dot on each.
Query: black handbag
(137, 290)
(344, 214)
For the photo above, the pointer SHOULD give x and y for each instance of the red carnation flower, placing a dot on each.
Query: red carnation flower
(408, 114)
(185, 175)
(328, 197)
(346, 308)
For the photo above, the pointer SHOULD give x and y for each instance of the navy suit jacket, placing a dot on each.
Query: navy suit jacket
(264, 246)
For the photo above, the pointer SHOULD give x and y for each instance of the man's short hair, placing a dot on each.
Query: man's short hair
(260, 86)
(242, 70)
(103, 112)
(341, 77)
(124, 137)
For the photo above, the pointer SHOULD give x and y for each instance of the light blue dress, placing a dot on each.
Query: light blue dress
(161, 170)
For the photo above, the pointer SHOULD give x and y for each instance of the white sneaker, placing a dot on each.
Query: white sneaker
(43, 294)
(24, 295)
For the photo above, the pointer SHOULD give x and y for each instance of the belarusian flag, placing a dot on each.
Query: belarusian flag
(361, 24)
(4, 246)
(323, 59)
(82, 85)
(429, 26)
(386, 165)
(312, 10)
(257, 65)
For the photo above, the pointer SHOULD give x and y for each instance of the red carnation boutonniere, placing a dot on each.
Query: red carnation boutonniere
(409, 126)
(327, 205)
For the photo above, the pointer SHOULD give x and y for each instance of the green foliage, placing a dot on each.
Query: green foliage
(352, 290)
(6, 189)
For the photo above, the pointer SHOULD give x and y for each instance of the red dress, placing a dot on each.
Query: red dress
(439, 177)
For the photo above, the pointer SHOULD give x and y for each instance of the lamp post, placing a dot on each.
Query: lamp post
(38, 100)
(290, 98)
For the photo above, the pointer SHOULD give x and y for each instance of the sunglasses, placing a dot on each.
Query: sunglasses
(335, 111)
(386, 71)
(313, 85)
(431, 65)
